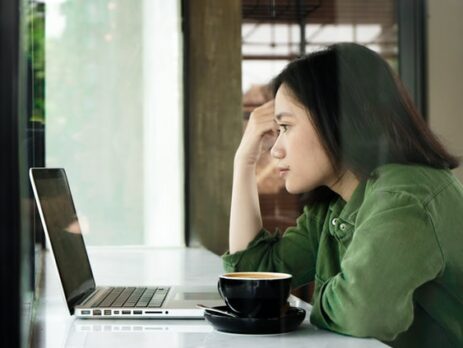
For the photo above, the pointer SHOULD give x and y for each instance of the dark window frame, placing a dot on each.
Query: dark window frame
(10, 213)
(411, 20)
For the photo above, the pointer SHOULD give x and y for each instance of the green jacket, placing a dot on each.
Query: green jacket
(387, 264)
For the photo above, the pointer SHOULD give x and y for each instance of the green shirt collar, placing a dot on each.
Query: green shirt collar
(348, 211)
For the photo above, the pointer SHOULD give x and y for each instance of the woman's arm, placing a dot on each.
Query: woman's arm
(295, 252)
(245, 217)
(393, 252)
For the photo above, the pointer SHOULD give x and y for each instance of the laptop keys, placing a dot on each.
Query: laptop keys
(158, 298)
(146, 297)
(123, 297)
(97, 297)
(111, 297)
(134, 297)
(130, 297)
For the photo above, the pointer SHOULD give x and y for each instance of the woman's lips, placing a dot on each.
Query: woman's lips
(283, 171)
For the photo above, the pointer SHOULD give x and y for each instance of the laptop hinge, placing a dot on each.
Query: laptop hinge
(85, 295)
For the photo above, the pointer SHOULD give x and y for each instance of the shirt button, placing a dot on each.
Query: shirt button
(343, 227)
(334, 221)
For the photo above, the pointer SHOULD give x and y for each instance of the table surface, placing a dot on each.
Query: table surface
(54, 327)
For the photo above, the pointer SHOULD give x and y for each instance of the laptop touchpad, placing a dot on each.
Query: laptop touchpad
(197, 296)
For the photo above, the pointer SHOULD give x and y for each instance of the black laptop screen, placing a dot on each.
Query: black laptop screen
(67, 243)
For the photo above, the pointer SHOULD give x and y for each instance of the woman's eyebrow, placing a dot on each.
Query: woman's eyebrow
(280, 115)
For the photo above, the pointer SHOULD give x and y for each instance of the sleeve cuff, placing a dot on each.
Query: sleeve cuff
(231, 261)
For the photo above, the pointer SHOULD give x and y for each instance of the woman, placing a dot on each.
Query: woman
(382, 236)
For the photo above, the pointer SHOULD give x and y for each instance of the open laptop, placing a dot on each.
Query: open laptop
(83, 297)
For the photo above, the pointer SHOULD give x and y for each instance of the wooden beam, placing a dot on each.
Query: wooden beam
(213, 116)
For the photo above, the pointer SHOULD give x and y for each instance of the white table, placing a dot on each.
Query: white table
(54, 326)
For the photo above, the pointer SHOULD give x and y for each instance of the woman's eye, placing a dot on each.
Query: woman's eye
(282, 128)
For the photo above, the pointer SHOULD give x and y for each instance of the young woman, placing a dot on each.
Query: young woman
(382, 236)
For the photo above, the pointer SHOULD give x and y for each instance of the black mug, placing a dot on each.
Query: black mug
(256, 294)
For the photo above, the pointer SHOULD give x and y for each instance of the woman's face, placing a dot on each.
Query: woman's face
(302, 161)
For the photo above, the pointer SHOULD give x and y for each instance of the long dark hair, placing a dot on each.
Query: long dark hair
(361, 111)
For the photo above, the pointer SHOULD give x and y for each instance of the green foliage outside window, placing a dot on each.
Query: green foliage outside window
(36, 59)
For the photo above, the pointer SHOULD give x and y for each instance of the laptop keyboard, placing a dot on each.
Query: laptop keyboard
(132, 297)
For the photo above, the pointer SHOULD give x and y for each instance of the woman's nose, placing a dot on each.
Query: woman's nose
(277, 151)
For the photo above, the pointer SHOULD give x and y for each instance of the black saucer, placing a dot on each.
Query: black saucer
(293, 318)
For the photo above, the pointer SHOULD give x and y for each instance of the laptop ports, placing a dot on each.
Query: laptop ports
(107, 312)
(96, 312)
(126, 312)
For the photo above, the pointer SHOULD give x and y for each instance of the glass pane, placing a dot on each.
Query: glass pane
(113, 116)
(271, 38)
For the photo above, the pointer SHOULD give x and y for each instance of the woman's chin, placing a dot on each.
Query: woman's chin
(294, 190)
(298, 188)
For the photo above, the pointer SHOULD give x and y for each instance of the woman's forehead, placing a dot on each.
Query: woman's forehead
(287, 104)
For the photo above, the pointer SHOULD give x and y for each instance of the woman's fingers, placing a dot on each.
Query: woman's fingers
(261, 122)
(264, 110)
(262, 117)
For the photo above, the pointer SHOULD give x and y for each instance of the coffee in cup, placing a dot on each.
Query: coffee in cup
(256, 294)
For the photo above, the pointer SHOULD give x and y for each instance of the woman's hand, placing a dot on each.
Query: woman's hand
(260, 123)
(245, 216)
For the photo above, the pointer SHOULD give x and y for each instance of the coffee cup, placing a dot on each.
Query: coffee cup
(256, 294)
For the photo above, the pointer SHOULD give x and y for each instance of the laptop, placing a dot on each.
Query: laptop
(85, 299)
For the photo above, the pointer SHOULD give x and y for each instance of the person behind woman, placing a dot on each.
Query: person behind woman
(382, 236)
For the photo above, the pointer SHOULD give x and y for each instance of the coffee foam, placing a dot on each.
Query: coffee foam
(256, 275)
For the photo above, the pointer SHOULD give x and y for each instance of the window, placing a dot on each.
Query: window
(114, 116)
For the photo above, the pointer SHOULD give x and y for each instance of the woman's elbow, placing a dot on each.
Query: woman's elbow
(382, 325)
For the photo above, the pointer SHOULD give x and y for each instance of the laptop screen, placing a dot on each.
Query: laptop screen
(59, 216)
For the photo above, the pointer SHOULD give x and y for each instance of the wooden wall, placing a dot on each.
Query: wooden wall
(213, 116)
